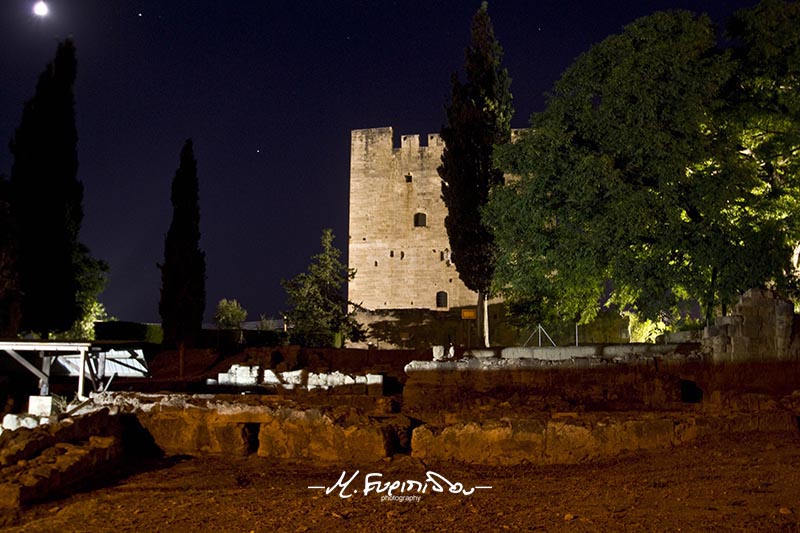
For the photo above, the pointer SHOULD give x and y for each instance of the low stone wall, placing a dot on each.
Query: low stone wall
(632, 383)
(37, 463)
(563, 353)
(540, 385)
(54, 470)
(567, 438)
(203, 424)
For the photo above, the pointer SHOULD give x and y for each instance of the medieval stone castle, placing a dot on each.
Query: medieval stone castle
(398, 243)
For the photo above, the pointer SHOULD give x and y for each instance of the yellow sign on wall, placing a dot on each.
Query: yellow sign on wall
(469, 314)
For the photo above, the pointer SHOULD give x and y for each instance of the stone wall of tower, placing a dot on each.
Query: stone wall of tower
(399, 265)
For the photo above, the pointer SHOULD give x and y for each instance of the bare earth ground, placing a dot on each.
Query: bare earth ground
(745, 482)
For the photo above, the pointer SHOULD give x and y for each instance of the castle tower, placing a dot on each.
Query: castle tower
(398, 243)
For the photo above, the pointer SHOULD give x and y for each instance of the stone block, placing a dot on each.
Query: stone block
(295, 377)
(11, 422)
(753, 328)
(548, 353)
(312, 435)
(729, 320)
(271, 378)
(229, 438)
(438, 353)
(179, 431)
(492, 443)
(374, 384)
(317, 381)
(243, 375)
(482, 353)
(40, 405)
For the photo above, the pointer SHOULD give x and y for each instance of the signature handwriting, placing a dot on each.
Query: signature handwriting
(374, 483)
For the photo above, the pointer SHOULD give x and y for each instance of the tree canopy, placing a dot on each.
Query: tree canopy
(230, 314)
(183, 273)
(478, 118)
(663, 170)
(318, 310)
(56, 273)
(10, 295)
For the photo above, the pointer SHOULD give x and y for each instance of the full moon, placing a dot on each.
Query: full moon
(40, 9)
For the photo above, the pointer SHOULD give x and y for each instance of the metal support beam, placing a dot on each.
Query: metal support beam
(44, 385)
(81, 372)
(24, 362)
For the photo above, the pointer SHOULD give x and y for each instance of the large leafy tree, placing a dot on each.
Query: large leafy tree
(765, 98)
(318, 310)
(46, 203)
(183, 273)
(642, 171)
(478, 118)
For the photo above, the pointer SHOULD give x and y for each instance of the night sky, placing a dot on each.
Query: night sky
(269, 92)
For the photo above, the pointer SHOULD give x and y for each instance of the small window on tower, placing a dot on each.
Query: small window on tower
(420, 220)
(409, 178)
(441, 299)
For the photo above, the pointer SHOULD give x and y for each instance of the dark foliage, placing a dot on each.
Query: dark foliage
(478, 118)
(46, 201)
(183, 273)
(10, 295)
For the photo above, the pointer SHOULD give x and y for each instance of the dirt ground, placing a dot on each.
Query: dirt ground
(745, 482)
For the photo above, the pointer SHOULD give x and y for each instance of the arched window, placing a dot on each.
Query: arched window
(420, 220)
(441, 299)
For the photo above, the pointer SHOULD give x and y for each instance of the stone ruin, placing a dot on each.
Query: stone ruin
(759, 329)
(49, 459)
(301, 380)
(500, 406)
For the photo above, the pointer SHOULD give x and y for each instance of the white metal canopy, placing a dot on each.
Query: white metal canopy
(99, 362)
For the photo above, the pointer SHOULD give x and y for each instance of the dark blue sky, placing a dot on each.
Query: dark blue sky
(269, 92)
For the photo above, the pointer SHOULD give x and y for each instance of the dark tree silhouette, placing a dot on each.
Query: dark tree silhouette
(183, 273)
(478, 118)
(46, 201)
(10, 295)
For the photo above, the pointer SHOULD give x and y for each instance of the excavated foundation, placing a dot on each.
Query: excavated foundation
(501, 428)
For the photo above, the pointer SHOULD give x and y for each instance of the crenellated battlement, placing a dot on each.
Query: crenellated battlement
(433, 140)
(382, 139)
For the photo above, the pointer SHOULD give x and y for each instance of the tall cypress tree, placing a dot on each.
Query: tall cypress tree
(183, 273)
(46, 200)
(478, 118)
(10, 294)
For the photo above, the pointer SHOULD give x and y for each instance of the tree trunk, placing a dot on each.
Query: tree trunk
(710, 296)
(181, 351)
(483, 318)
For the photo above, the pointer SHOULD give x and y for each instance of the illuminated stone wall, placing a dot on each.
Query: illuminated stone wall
(398, 243)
